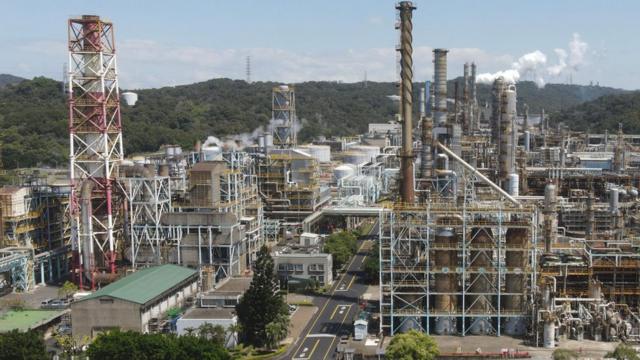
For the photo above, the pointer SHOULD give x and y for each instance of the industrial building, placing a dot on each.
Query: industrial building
(137, 302)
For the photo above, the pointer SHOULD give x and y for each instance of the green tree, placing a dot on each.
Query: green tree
(22, 345)
(277, 330)
(623, 352)
(372, 265)
(342, 246)
(136, 346)
(261, 304)
(412, 345)
(67, 289)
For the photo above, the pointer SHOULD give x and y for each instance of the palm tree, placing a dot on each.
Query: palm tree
(233, 330)
(190, 331)
(206, 330)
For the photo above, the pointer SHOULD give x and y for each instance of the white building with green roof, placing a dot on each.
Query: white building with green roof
(135, 301)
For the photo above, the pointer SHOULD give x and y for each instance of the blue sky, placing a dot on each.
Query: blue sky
(176, 42)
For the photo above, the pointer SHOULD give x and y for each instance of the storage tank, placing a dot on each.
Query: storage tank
(354, 157)
(514, 184)
(210, 153)
(343, 171)
(614, 200)
(130, 98)
(371, 152)
(549, 335)
(322, 153)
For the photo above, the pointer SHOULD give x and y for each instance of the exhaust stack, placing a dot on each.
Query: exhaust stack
(406, 81)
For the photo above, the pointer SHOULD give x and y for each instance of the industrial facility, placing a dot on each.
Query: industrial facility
(489, 219)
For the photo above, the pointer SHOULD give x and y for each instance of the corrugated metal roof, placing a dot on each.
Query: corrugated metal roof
(145, 285)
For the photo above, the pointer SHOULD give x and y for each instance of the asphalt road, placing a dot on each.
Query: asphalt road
(337, 311)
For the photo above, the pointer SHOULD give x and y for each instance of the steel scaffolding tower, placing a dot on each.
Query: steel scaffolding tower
(149, 199)
(283, 117)
(95, 140)
(419, 290)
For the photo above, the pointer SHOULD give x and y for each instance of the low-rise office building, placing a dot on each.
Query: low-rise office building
(305, 264)
(134, 301)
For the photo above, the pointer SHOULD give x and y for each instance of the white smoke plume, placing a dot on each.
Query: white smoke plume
(534, 64)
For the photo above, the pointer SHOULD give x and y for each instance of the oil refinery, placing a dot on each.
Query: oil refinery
(488, 219)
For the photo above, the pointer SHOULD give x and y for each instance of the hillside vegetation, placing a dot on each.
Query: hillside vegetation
(604, 113)
(34, 129)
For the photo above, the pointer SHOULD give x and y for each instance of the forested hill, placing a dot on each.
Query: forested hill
(6, 79)
(604, 113)
(33, 113)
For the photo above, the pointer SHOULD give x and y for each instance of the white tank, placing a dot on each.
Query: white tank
(210, 153)
(284, 87)
(344, 171)
(514, 184)
(371, 151)
(268, 140)
(550, 197)
(322, 153)
(355, 157)
(178, 150)
(170, 151)
(614, 200)
(130, 98)
(549, 335)
(527, 141)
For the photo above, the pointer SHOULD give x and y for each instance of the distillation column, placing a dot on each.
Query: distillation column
(446, 261)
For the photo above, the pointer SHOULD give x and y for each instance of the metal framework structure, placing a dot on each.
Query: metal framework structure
(19, 262)
(412, 272)
(149, 198)
(283, 116)
(95, 141)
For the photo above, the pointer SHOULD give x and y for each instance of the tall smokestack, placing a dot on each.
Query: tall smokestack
(466, 123)
(440, 86)
(475, 122)
(423, 103)
(505, 154)
(406, 80)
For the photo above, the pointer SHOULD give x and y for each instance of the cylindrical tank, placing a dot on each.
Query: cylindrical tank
(268, 140)
(261, 141)
(514, 184)
(549, 335)
(343, 171)
(442, 162)
(550, 197)
(446, 260)
(614, 200)
(354, 157)
(170, 151)
(527, 141)
(370, 151)
(322, 153)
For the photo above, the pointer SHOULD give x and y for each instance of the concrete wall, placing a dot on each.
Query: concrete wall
(89, 317)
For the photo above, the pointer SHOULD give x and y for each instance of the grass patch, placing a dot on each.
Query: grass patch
(302, 303)
(249, 353)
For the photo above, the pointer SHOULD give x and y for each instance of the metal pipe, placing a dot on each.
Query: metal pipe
(406, 76)
(480, 176)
